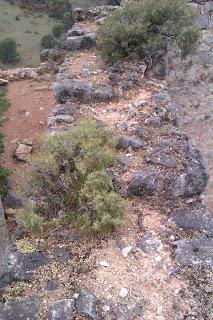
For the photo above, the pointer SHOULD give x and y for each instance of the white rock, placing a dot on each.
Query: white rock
(123, 292)
(106, 308)
(126, 251)
(104, 264)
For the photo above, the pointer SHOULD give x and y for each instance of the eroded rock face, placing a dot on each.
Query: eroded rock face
(144, 182)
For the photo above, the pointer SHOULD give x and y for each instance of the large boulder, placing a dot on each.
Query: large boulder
(144, 182)
(198, 219)
(75, 89)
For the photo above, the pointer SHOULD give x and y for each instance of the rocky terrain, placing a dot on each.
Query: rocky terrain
(159, 265)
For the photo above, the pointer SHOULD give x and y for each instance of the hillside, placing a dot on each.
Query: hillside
(157, 120)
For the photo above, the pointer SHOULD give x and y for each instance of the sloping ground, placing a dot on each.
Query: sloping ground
(157, 267)
(30, 104)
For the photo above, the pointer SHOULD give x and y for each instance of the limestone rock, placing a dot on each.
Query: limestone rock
(144, 182)
(102, 92)
(67, 108)
(61, 309)
(148, 243)
(13, 200)
(3, 82)
(197, 218)
(194, 180)
(22, 310)
(160, 154)
(75, 31)
(22, 152)
(86, 304)
(125, 142)
(23, 265)
(194, 252)
(76, 89)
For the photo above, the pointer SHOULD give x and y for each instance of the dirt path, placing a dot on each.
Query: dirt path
(30, 105)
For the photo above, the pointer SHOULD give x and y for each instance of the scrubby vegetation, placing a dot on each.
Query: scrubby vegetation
(8, 51)
(70, 180)
(4, 172)
(48, 42)
(146, 27)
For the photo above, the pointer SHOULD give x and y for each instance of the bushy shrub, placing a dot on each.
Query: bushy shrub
(48, 42)
(68, 20)
(57, 30)
(57, 8)
(147, 27)
(70, 179)
(8, 51)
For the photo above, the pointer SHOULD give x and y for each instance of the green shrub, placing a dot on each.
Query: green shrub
(48, 42)
(147, 27)
(8, 51)
(57, 30)
(70, 179)
(67, 20)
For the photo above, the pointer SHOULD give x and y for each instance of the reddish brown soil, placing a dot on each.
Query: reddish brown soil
(26, 118)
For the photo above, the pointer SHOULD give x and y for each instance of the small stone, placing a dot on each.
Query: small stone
(123, 292)
(85, 73)
(104, 264)
(158, 259)
(28, 142)
(125, 251)
(3, 82)
(106, 308)
(22, 152)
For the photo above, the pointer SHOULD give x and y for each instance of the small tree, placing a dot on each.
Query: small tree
(147, 27)
(8, 51)
(48, 42)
